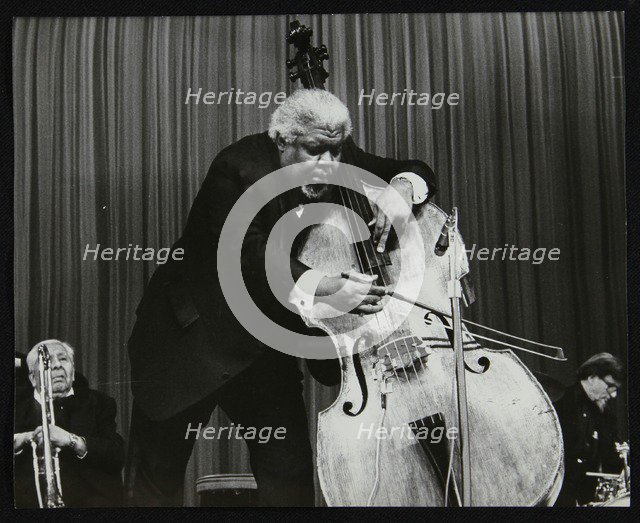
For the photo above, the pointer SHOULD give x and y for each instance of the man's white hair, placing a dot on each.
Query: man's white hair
(307, 108)
(32, 357)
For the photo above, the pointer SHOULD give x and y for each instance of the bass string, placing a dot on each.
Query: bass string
(420, 384)
(361, 205)
(383, 405)
(421, 422)
(342, 192)
(351, 229)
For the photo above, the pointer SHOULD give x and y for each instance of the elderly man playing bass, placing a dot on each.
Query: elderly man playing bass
(189, 353)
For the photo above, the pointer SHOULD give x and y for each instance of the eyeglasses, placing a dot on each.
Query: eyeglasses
(611, 386)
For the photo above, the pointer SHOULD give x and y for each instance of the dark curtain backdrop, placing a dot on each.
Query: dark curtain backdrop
(107, 152)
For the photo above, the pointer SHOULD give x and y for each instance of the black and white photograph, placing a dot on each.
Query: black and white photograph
(357, 259)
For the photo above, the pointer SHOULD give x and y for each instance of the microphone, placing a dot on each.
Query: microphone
(443, 241)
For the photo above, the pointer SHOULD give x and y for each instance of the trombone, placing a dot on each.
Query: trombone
(46, 464)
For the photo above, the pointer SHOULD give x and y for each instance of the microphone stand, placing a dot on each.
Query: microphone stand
(455, 293)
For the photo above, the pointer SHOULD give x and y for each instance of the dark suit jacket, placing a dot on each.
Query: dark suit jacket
(94, 481)
(186, 342)
(589, 443)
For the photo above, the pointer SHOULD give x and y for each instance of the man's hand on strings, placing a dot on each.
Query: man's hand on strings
(380, 222)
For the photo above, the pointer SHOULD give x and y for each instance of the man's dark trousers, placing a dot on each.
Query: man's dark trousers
(267, 394)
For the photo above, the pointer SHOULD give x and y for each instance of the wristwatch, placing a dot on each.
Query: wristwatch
(419, 186)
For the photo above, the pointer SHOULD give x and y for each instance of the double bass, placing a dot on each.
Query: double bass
(393, 436)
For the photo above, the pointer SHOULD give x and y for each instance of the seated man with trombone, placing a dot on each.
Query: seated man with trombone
(67, 450)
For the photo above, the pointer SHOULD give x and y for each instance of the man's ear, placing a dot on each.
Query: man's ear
(281, 143)
(32, 379)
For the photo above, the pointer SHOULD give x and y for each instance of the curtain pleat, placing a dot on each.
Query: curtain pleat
(107, 152)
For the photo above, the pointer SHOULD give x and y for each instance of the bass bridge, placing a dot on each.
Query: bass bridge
(402, 358)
